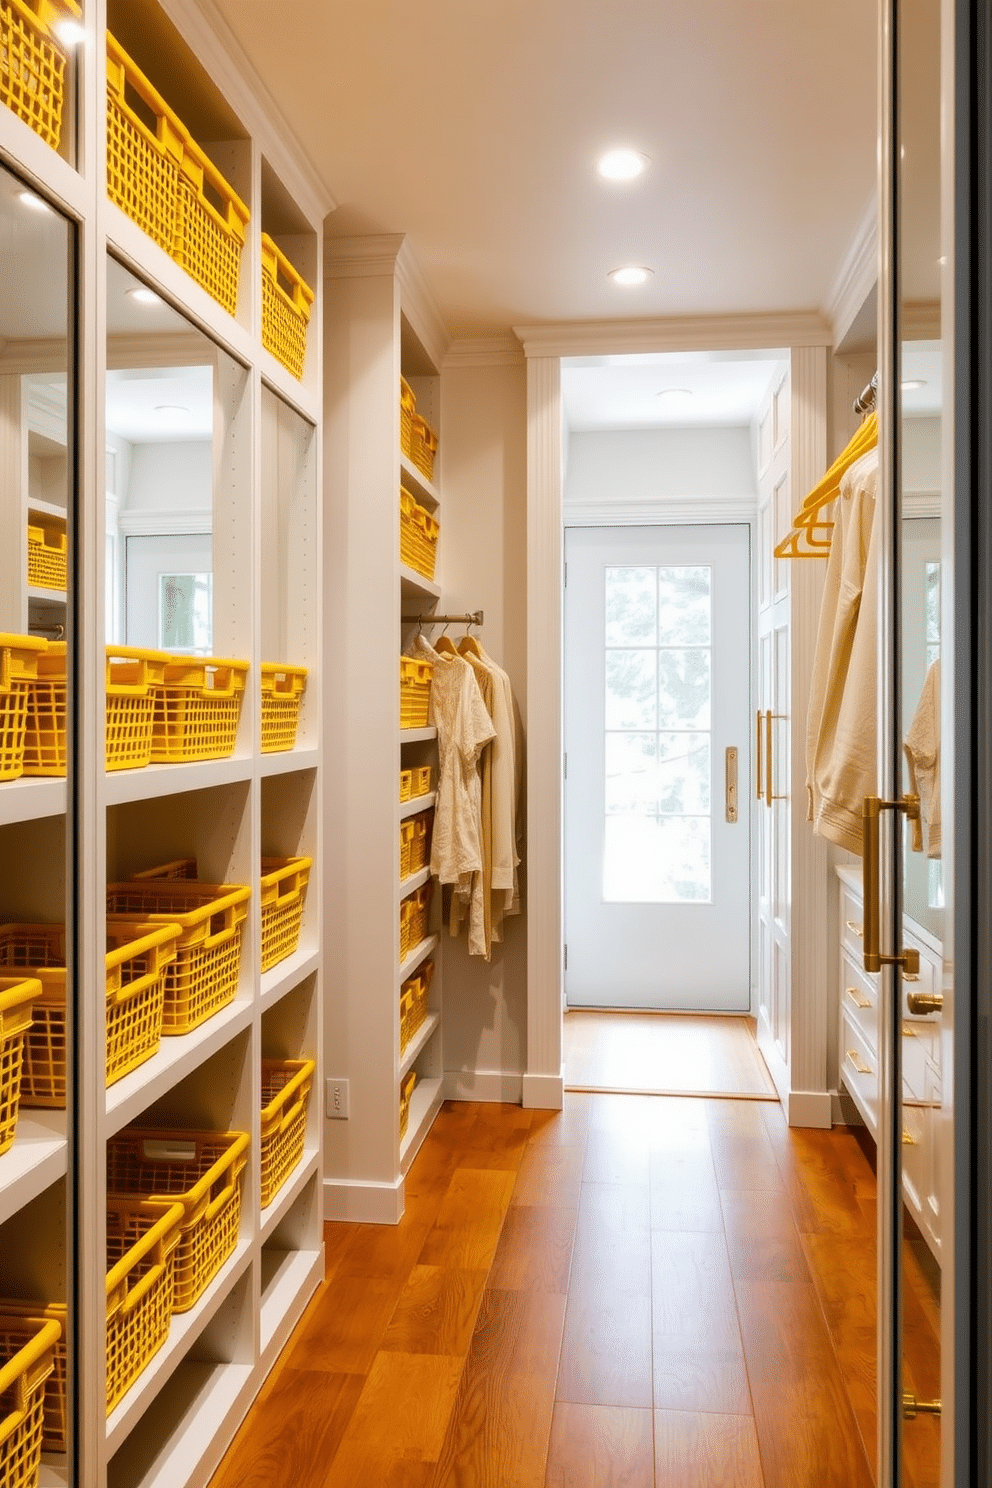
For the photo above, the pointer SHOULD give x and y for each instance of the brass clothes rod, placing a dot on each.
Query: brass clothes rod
(868, 397)
(474, 618)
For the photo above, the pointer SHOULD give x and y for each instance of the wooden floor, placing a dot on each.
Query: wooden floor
(664, 1053)
(634, 1291)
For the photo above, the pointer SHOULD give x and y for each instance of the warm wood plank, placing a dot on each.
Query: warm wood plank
(693, 1292)
(466, 1231)
(549, 1174)
(691, 1374)
(700, 1451)
(501, 1423)
(806, 1428)
(436, 1311)
(612, 1241)
(762, 1240)
(816, 1169)
(344, 1327)
(600, 1446)
(381, 1252)
(844, 1274)
(663, 1052)
(743, 1156)
(568, 1127)
(684, 1193)
(401, 1415)
(287, 1439)
(535, 1250)
(606, 1350)
(611, 1161)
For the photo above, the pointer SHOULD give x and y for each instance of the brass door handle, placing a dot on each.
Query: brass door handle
(862, 1069)
(921, 1003)
(911, 1407)
(768, 758)
(908, 959)
(861, 1002)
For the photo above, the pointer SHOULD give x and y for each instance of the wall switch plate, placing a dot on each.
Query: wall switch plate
(337, 1100)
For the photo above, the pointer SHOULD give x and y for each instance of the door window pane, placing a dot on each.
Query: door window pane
(631, 606)
(631, 689)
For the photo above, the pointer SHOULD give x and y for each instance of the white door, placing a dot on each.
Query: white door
(657, 700)
(169, 592)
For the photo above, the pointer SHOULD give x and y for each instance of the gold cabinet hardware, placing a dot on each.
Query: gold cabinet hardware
(855, 928)
(911, 1407)
(921, 1003)
(769, 775)
(908, 959)
(861, 1002)
(759, 788)
(731, 784)
(862, 1069)
(908, 1140)
(908, 1032)
(911, 976)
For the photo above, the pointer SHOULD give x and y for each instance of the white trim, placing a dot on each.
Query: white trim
(499, 1087)
(543, 1092)
(361, 257)
(690, 510)
(857, 274)
(420, 308)
(493, 351)
(163, 524)
(364, 1203)
(808, 1108)
(675, 333)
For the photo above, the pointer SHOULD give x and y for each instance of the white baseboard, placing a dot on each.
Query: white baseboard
(499, 1087)
(802, 1107)
(543, 1092)
(364, 1203)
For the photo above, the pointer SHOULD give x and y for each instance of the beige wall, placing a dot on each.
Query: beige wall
(482, 564)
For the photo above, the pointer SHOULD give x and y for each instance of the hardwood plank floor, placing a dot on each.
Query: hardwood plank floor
(663, 1053)
(635, 1291)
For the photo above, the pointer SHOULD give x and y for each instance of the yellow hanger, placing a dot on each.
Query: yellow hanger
(810, 533)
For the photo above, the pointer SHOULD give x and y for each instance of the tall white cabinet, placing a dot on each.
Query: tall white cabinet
(62, 841)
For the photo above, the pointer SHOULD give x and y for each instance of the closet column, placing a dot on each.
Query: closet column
(543, 1083)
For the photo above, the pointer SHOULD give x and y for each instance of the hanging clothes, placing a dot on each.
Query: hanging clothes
(464, 727)
(477, 905)
(841, 725)
(922, 750)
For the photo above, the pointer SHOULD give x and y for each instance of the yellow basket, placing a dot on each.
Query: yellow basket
(24, 1318)
(17, 998)
(406, 1091)
(418, 535)
(137, 956)
(415, 843)
(414, 998)
(282, 693)
(415, 692)
(286, 304)
(408, 407)
(283, 892)
(415, 912)
(163, 180)
(48, 555)
(142, 1237)
(203, 978)
(132, 675)
(421, 781)
(203, 1171)
(423, 446)
(197, 709)
(18, 667)
(406, 784)
(32, 72)
(27, 1358)
(285, 1093)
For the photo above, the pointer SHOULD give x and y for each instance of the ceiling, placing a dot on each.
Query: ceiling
(473, 126)
(665, 390)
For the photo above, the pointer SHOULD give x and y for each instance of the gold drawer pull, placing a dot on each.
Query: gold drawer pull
(856, 929)
(861, 1002)
(908, 1140)
(862, 1069)
(908, 1032)
(911, 976)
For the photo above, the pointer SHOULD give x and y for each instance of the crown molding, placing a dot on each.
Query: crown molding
(697, 511)
(676, 333)
(224, 58)
(491, 351)
(419, 306)
(362, 257)
(856, 276)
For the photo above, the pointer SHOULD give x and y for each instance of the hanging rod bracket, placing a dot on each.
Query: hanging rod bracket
(474, 617)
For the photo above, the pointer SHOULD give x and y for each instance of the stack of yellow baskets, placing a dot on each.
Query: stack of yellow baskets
(418, 441)
(285, 1097)
(32, 75)
(418, 535)
(286, 304)
(415, 692)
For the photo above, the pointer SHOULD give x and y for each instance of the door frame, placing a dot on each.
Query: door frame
(544, 347)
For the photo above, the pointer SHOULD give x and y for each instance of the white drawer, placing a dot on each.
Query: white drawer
(859, 1071)
(852, 926)
(859, 998)
(925, 1028)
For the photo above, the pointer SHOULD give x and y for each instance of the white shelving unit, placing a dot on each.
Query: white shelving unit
(379, 319)
(61, 842)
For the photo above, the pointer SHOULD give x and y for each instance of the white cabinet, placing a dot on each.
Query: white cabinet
(859, 1043)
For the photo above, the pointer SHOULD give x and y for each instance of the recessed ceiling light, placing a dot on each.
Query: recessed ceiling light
(28, 199)
(144, 296)
(942, 259)
(676, 393)
(630, 275)
(175, 411)
(70, 33)
(912, 383)
(622, 164)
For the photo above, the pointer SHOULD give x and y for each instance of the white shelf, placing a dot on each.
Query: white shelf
(198, 1406)
(299, 395)
(38, 1158)
(284, 1272)
(47, 596)
(416, 805)
(291, 1189)
(417, 484)
(294, 1305)
(418, 954)
(146, 783)
(31, 798)
(415, 588)
(176, 1057)
(47, 509)
(287, 974)
(184, 1328)
(414, 882)
(417, 736)
(419, 1042)
(288, 762)
(425, 1102)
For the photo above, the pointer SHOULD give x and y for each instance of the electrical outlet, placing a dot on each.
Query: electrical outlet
(337, 1100)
